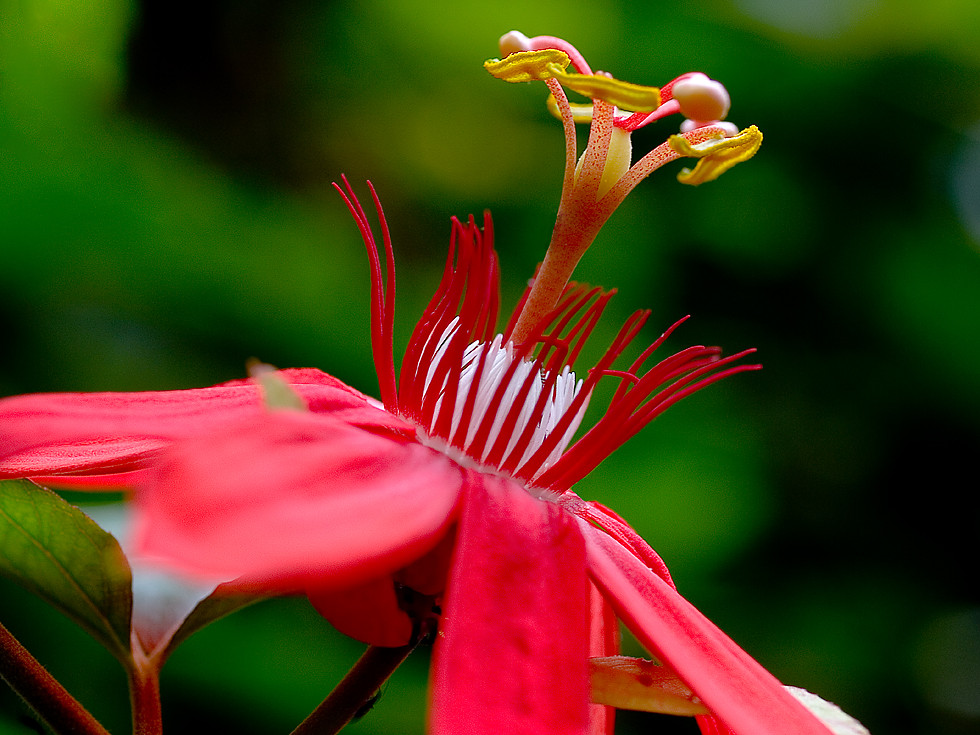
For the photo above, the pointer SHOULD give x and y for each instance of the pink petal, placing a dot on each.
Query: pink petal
(293, 498)
(511, 652)
(109, 433)
(742, 694)
(369, 612)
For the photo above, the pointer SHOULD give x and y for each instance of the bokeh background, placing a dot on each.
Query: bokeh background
(166, 214)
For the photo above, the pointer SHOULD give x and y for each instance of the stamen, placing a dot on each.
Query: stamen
(598, 182)
(609, 89)
(571, 151)
(511, 402)
(717, 155)
(578, 61)
(528, 66)
(551, 63)
(515, 42)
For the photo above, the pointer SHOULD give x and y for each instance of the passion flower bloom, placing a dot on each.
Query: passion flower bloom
(452, 498)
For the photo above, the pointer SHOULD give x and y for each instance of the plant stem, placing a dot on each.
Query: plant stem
(42, 692)
(365, 678)
(144, 695)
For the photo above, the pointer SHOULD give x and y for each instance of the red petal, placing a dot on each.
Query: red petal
(741, 693)
(711, 725)
(369, 613)
(109, 433)
(290, 497)
(97, 483)
(603, 641)
(511, 652)
(428, 575)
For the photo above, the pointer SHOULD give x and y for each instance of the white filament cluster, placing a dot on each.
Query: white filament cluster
(499, 359)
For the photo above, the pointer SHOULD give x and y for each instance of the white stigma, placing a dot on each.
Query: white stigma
(496, 372)
(513, 42)
(701, 98)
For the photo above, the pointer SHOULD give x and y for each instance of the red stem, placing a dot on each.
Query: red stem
(42, 692)
(371, 671)
(144, 697)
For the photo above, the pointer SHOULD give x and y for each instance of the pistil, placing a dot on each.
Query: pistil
(605, 160)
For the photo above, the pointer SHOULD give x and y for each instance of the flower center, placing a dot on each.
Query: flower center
(509, 402)
(498, 408)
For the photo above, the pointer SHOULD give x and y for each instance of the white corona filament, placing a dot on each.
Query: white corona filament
(500, 357)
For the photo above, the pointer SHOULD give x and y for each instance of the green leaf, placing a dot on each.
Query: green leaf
(54, 550)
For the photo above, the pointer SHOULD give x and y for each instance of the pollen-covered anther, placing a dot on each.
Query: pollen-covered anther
(717, 154)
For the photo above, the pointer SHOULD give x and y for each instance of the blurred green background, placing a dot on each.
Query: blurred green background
(166, 214)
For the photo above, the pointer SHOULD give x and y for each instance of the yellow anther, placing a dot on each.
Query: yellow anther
(580, 113)
(528, 66)
(717, 154)
(628, 96)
